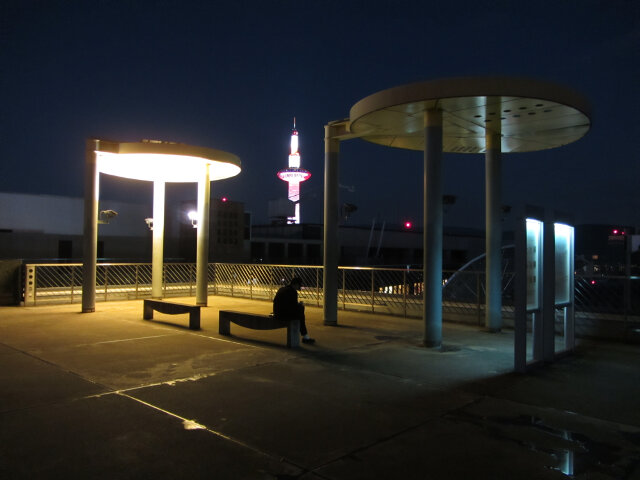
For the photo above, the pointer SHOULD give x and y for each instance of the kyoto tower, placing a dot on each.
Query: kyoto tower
(294, 175)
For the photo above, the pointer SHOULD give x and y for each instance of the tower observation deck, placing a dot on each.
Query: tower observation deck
(294, 175)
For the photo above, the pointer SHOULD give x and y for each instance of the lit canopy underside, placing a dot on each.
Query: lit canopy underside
(168, 162)
(529, 115)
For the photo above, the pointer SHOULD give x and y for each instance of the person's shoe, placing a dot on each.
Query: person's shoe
(308, 340)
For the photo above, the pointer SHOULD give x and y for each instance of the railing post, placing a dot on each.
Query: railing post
(106, 279)
(216, 289)
(404, 292)
(344, 296)
(271, 283)
(479, 300)
(73, 281)
(35, 284)
(164, 280)
(373, 299)
(137, 279)
(627, 298)
(317, 287)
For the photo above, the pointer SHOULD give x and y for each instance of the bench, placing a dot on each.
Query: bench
(259, 322)
(172, 308)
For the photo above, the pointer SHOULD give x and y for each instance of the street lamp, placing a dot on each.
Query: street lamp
(193, 216)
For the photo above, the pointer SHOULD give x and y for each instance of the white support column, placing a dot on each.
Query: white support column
(157, 255)
(202, 254)
(90, 229)
(569, 311)
(520, 297)
(433, 227)
(331, 251)
(493, 199)
(548, 288)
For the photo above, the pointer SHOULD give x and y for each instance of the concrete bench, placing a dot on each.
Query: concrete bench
(259, 322)
(172, 308)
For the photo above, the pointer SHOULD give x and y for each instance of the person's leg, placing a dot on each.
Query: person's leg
(303, 325)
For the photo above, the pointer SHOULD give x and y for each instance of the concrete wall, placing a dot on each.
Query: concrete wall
(57, 215)
(10, 283)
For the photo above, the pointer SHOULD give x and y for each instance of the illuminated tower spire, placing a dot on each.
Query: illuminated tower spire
(294, 175)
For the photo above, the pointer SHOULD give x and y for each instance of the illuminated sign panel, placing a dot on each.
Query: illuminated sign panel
(563, 252)
(534, 263)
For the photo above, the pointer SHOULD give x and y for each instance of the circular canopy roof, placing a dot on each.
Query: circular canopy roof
(530, 115)
(153, 160)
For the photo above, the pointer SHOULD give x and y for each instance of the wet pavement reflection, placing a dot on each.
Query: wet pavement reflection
(571, 452)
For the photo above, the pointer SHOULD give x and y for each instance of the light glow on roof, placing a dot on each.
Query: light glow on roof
(163, 167)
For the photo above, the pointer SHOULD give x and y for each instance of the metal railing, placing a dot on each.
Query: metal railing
(391, 291)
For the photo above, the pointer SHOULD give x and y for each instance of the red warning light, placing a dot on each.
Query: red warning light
(224, 199)
(408, 225)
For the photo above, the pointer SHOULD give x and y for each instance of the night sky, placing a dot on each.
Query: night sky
(232, 75)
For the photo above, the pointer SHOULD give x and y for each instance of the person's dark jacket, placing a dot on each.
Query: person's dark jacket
(285, 304)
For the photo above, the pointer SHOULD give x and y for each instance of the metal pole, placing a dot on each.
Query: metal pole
(330, 266)
(90, 231)
(373, 298)
(73, 281)
(202, 254)
(233, 276)
(344, 296)
(433, 220)
(164, 280)
(479, 298)
(215, 278)
(271, 280)
(493, 199)
(137, 280)
(35, 284)
(106, 281)
(157, 255)
(404, 292)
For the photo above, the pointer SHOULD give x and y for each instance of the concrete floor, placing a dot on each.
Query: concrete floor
(109, 395)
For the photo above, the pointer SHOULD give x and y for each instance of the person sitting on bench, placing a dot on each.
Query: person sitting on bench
(287, 307)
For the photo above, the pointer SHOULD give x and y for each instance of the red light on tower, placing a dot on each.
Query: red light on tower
(408, 225)
(617, 236)
(224, 199)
